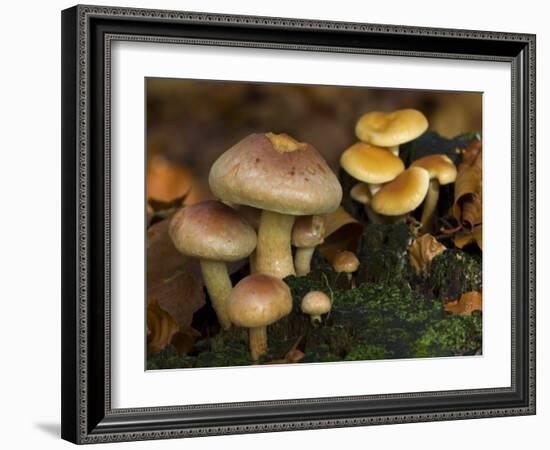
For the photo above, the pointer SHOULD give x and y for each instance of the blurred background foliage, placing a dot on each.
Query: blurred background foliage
(191, 122)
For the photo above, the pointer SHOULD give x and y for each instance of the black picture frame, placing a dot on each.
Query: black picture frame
(87, 32)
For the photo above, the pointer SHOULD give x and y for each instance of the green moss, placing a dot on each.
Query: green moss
(455, 335)
(366, 352)
(383, 254)
(452, 273)
(169, 359)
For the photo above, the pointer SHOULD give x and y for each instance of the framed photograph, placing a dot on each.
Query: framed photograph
(281, 224)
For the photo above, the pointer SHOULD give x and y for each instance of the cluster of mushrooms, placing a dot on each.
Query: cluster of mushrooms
(273, 192)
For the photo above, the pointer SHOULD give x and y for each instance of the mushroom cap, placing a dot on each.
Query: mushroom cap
(258, 300)
(391, 129)
(316, 303)
(360, 193)
(402, 195)
(439, 167)
(371, 164)
(276, 173)
(212, 230)
(308, 231)
(345, 261)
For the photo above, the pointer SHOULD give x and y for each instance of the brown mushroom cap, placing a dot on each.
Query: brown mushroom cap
(259, 300)
(276, 173)
(308, 231)
(391, 129)
(212, 230)
(371, 164)
(345, 261)
(316, 303)
(402, 195)
(439, 167)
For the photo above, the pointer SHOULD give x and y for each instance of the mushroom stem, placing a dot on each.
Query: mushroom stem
(258, 342)
(302, 260)
(218, 284)
(273, 252)
(252, 262)
(373, 217)
(315, 319)
(430, 204)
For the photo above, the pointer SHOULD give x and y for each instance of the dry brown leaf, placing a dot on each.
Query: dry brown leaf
(172, 279)
(161, 327)
(342, 232)
(468, 303)
(422, 251)
(185, 340)
(167, 181)
(476, 235)
(467, 207)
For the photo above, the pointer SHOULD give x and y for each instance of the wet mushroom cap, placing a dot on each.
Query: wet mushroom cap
(259, 300)
(308, 231)
(316, 303)
(439, 167)
(211, 230)
(276, 173)
(391, 129)
(402, 195)
(371, 164)
(345, 261)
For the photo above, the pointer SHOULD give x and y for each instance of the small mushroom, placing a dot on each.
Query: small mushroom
(402, 195)
(391, 129)
(371, 165)
(442, 171)
(257, 301)
(315, 304)
(215, 234)
(308, 232)
(282, 177)
(346, 262)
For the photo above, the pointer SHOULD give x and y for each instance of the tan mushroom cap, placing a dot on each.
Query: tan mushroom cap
(391, 129)
(345, 261)
(360, 193)
(212, 230)
(439, 167)
(308, 231)
(259, 300)
(371, 164)
(316, 303)
(402, 195)
(276, 173)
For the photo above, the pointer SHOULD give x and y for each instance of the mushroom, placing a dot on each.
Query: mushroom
(391, 129)
(442, 171)
(283, 177)
(257, 301)
(402, 195)
(315, 304)
(371, 165)
(346, 262)
(215, 234)
(308, 232)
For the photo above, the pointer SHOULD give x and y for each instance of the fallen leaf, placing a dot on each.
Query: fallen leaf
(342, 232)
(468, 303)
(422, 251)
(185, 340)
(172, 279)
(467, 206)
(476, 235)
(161, 326)
(167, 181)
